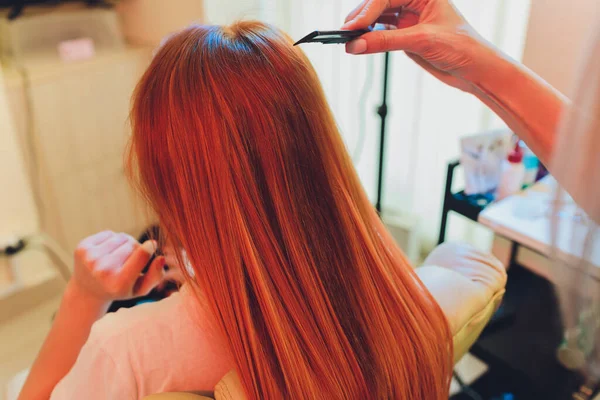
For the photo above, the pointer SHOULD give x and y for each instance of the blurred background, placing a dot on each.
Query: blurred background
(67, 71)
(64, 123)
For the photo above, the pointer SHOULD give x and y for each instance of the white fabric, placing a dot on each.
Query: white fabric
(151, 348)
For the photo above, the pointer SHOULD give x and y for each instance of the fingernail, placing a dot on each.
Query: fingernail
(357, 46)
(149, 246)
(347, 24)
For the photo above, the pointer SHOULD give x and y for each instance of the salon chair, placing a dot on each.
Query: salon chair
(467, 284)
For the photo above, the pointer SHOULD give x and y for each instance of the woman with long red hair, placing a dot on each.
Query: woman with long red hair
(239, 155)
(292, 280)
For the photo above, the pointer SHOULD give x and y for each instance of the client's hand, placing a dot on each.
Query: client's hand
(431, 32)
(108, 267)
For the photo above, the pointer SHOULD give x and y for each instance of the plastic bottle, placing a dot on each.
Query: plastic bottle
(513, 173)
(531, 164)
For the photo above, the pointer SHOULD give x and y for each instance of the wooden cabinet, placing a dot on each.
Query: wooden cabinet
(72, 125)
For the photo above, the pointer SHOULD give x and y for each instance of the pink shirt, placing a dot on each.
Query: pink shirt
(152, 348)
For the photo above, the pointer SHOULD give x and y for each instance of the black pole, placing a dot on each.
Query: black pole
(382, 111)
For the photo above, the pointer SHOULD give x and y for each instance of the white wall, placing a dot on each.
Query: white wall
(556, 38)
(227, 11)
(18, 214)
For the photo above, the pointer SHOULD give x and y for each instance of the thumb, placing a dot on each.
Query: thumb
(406, 39)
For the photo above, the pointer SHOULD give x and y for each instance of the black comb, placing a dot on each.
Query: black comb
(332, 37)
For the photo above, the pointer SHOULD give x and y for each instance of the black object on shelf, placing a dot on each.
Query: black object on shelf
(467, 205)
(382, 111)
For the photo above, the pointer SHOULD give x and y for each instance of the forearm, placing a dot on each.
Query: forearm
(525, 102)
(534, 110)
(74, 319)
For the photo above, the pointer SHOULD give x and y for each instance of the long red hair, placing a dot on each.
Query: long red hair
(239, 155)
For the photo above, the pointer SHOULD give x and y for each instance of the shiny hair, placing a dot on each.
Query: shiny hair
(238, 154)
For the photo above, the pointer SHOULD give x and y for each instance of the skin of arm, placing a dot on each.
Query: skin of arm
(107, 267)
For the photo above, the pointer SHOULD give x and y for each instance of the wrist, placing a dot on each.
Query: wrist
(491, 71)
(75, 293)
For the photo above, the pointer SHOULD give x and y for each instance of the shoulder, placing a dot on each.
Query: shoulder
(108, 365)
(150, 336)
(166, 346)
(134, 322)
(169, 345)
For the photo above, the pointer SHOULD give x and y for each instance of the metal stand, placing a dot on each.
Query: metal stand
(382, 111)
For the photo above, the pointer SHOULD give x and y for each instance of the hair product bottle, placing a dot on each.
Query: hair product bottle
(513, 173)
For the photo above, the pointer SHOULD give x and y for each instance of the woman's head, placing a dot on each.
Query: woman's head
(237, 152)
(221, 104)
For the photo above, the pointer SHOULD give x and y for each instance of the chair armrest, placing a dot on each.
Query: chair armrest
(468, 285)
(470, 331)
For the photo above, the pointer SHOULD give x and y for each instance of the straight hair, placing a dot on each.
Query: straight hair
(237, 152)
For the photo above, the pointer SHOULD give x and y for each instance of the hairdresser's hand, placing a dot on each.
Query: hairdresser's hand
(108, 267)
(431, 32)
